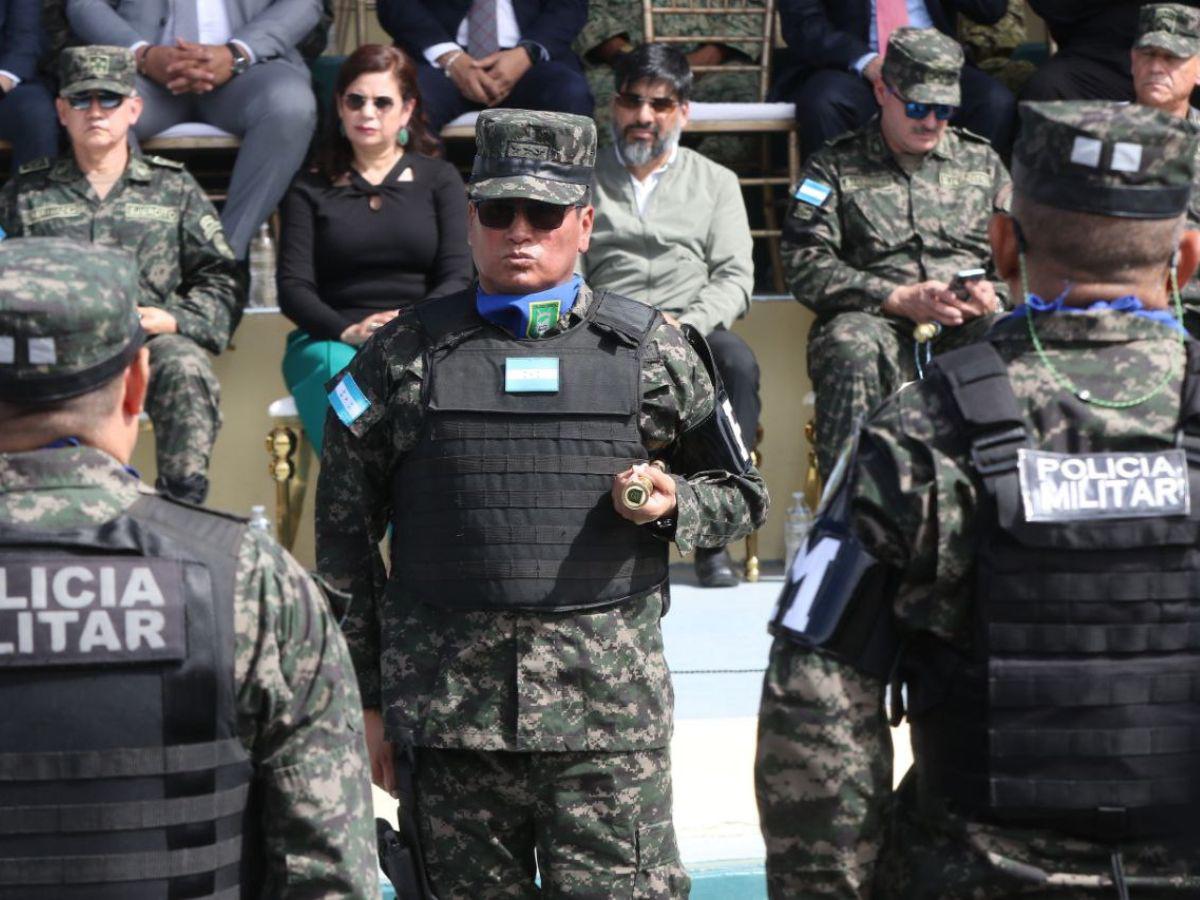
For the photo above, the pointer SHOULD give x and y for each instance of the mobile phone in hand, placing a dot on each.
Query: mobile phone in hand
(963, 277)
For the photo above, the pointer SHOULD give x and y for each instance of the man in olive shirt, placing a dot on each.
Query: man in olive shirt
(671, 231)
(152, 208)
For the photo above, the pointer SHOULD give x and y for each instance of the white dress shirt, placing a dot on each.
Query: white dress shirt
(507, 32)
(643, 189)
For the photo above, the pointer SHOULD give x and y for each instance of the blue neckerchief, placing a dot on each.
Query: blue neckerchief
(528, 315)
(74, 442)
(1129, 304)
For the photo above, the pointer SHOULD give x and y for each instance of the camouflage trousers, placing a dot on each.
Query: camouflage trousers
(183, 402)
(812, 765)
(592, 825)
(858, 359)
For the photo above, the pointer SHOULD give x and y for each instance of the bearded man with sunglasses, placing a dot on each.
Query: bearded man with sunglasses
(152, 208)
(514, 648)
(881, 222)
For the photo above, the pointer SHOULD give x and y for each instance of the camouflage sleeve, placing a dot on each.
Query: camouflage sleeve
(301, 717)
(608, 19)
(715, 507)
(353, 504)
(812, 248)
(1001, 203)
(208, 302)
(823, 775)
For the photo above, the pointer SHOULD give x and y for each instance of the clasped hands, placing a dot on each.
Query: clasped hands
(933, 301)
(188, 68)
(487, 80)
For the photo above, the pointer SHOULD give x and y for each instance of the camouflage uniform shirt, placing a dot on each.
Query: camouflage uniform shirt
(298, 707)
(157, 212)
(881, 227)
(915, 499)
(509, 681)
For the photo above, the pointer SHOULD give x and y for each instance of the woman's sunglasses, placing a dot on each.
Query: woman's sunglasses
(356, 102)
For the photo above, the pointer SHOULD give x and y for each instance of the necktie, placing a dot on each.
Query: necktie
(187, 20)
(889, 15)
(481, 28)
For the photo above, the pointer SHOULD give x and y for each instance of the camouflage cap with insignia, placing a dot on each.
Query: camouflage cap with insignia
(96, 68)
(924, 65)
(544, 156)
(68, 318)
(1111, 159)
(1171, 27)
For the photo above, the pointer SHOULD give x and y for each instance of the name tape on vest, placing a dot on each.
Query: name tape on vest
(91, 611)
(1060, 487)
(531, 375)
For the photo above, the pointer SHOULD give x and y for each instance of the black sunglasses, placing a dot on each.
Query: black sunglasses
(630, 100)
(540, 215)
(358, 101)
(106, 99)
(915, 110)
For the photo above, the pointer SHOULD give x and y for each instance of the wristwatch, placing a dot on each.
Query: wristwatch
(533, 49)
(241, 62)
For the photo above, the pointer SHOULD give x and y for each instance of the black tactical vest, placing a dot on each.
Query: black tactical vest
(1079, 707)
(505, 503)
(121, 771)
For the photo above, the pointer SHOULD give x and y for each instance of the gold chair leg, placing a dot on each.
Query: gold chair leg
(288, 467)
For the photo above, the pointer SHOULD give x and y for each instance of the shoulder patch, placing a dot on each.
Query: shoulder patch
(35, 165)
(814, 193)
(163, 161)
(348, 400)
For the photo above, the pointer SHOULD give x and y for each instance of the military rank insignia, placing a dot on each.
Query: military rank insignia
(543, 314)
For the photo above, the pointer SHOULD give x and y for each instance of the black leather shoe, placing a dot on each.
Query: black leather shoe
(714, 568)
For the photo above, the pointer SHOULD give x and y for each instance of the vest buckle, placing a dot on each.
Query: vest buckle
(996, 452)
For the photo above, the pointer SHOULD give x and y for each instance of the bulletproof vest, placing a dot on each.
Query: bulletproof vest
(121, 771)
(1078, 707)
(505, 502)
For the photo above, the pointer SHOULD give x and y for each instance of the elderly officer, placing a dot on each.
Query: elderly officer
(516, 641)
(180, 715)
(1014, 542)
(883, 219)
(190, 297)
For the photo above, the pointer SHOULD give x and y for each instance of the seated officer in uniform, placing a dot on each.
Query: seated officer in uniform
(191, 297)
(883, 219)
(516, 643)
(180, 715)
(1014, 543)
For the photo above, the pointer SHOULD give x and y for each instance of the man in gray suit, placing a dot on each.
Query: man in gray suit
(230, 63)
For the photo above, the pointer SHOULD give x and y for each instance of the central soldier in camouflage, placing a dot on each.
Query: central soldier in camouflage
(882, 220)
(180, 713)
(192, 294)
(515, 641)
(1011, 554)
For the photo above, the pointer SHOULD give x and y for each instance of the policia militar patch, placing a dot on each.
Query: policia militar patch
(1061, 487)
(90, 611)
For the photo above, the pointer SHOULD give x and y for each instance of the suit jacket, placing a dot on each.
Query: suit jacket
(21, 37)
(833, 34)
(417, 24)
(270, 28)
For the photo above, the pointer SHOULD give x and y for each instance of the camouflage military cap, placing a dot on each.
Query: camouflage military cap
(68, 318)
(1111, 159)
(1171, 27)
(924, 65)
(544, 156)
(96, 68)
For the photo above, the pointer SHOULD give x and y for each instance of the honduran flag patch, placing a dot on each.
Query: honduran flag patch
(813, 192)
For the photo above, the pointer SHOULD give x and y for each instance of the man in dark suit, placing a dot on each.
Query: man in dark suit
(472, 54)
(837, 60)
(1093, 39)
(27, 118)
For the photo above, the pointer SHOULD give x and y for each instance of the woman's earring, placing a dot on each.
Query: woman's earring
(402, 137)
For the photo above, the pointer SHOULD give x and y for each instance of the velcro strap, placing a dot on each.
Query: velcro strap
(1025, 592)
(148, 866)
(554, 430)
(130, 816)
(522, 465)
(121, 763)
(434, 500)
(978, 382)
(1036, 638)
(537, 569)
(1028, 793)
(541, 535)
(630, 317)
(1068, 691)
(1095, 742)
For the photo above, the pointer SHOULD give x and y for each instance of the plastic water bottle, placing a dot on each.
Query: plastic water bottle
(796, 528)
(259, 521)
(262, 269)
